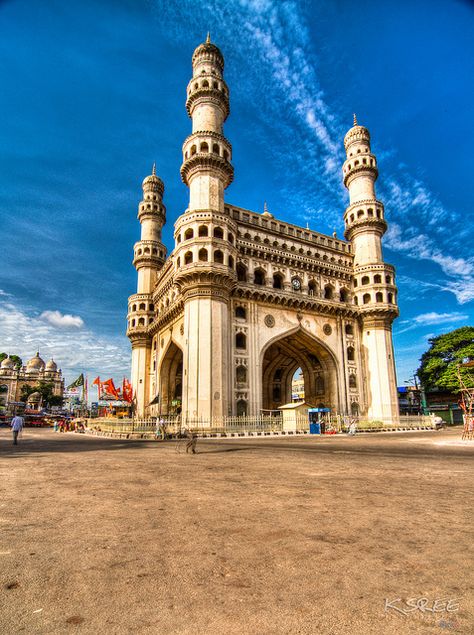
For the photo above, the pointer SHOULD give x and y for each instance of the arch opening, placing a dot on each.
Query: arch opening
(170, 381)
(315, 367)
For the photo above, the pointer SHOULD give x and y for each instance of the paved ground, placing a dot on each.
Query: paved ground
(257, 536)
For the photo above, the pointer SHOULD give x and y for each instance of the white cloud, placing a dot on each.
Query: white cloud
(56, 318)
(75, 350)
(431, 318)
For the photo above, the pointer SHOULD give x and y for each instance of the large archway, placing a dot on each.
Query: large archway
(171, 381)
(284, 356)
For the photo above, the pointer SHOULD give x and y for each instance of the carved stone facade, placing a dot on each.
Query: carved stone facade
(221, 325)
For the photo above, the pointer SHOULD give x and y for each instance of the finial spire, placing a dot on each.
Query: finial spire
(153, 170)
(355, 120)
(265, 207)
(208, 39)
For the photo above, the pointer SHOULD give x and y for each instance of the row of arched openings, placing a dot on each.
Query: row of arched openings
(367, 298)
(204, 148)
(377, 280)
(203, 256)
(203, 232)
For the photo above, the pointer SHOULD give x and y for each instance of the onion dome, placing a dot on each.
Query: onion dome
(153, 182)
(207, 51)
(7, 363)
(358, 134)
(266, 213)
(35, 364)
(51, 366)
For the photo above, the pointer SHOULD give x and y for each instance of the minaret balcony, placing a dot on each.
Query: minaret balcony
(207, 163)
(208, 95)
(358, 166)
(148, 253)
(207, 141)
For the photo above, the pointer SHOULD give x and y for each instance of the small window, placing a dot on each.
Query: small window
(312, 287)
(241, 374)
(204, 147)
(259, 277)
(388, 279)
(277, 281)
(188, 234)
(240, 341)
(365, 280)
(379, 297)
(377, 279)
(240, 313)
(241, 272)
(328, 292)
(366, 298)
(202, 255)
(142, 306)
(343, 295)
(218, 233)
(215, 148)
(203, 231)
(349, 329)
(390, 298)
(352, 381)
(230, 238)
(188, 257)
(219, 257)
(231, 262)
(350, 354)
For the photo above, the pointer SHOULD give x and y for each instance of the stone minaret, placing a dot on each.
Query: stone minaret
(205, 237)
(374, 283)
(149, 257)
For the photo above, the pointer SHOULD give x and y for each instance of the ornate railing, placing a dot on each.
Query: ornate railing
(252, 425)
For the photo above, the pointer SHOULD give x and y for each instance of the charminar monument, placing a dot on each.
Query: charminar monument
(220, 326)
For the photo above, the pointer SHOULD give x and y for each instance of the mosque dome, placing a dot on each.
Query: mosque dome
(7, 363)
(357, 134)
(35, 364)
(51, 366)
(153, 182)
(209, 50)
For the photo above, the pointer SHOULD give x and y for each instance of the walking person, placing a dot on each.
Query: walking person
(191, 442)
(17, 426)
(162, 426)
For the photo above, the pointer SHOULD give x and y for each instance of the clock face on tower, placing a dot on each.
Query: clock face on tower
(296, 284)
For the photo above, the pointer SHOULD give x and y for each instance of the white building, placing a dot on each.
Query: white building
(220, 325)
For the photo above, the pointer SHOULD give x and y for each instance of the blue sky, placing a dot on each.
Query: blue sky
(93, 93)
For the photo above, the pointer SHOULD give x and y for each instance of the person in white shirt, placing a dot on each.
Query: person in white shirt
(17, 426)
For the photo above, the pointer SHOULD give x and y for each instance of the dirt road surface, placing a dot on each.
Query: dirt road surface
(275, 536)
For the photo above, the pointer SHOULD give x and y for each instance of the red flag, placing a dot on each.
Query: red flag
(98, 383)
(127, 391)
(110, 389)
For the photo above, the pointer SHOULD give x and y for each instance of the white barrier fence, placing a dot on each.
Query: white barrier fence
(256, 425)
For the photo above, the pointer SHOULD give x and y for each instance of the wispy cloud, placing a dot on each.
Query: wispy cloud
(57, 319)
(430, 319)
(283, 79)
(75, 349)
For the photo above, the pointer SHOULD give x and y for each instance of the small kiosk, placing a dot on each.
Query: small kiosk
(318, 419)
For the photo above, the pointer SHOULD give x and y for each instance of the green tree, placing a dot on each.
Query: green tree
(15, 358)
(440, 362)
(45, 388)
